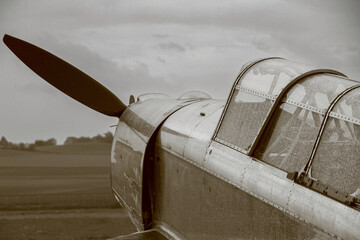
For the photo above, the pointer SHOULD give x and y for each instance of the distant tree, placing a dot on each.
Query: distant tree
(83, 139)
(40, 143)
(11, 146)
(105, 138)
(108, 137)
(70, 140)
(51, 142)
(3, 142)
(22, 146)
(31, 147)
(97, 138)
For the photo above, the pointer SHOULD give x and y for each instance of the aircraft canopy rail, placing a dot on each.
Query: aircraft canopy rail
(288, 140)
(277, 112)
(260, 83)
(340, 140)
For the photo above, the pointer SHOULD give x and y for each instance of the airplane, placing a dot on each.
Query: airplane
(278, 160)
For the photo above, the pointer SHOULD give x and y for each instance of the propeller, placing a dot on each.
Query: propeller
(66, 77)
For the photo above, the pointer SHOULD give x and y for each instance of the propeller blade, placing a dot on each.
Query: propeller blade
(66, 77)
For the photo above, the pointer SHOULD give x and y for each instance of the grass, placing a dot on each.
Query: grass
(74, 155)
(78, 148)
(65, 224)
(59, 192)
(55, 188)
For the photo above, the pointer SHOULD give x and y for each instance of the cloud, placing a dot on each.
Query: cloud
(172, 46)
(267, 43)
(129, 47)
(160, 59)
(160, 36)
(119, 78)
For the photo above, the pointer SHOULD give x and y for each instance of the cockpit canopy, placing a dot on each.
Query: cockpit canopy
(298, 118)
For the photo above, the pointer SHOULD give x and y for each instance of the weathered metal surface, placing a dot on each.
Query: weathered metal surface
(195, 94)
(136, 126)
(202, 206)
(188, 131)
(242, 185)
(230, 196)
(205, 189)
(147, 96)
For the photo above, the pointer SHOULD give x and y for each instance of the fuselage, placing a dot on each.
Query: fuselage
(201, 189)
(277, 160)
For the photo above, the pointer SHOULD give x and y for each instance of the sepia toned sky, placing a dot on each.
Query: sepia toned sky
(135, 47)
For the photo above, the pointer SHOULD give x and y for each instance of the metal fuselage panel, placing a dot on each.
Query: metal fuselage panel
(200, 206)
(135, 128)
(201, 189)
(205, 190)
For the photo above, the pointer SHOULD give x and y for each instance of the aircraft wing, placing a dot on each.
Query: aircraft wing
(153, 234)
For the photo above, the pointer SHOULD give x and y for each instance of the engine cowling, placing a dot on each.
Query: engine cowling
(130, 151)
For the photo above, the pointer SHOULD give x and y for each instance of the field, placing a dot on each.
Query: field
(75, 155)
(60, 192)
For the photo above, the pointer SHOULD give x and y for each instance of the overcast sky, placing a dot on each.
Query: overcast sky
(135, 47)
